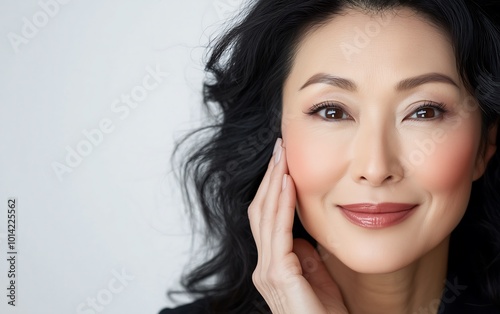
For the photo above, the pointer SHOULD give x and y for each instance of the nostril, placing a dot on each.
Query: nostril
(379, 181)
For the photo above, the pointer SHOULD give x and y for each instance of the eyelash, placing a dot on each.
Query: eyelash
(439, 107)
(326, 105)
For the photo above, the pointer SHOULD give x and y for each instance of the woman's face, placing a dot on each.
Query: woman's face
(374, 111)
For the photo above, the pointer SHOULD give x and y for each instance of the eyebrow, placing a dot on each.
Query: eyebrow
(323, 78)
(409, 83)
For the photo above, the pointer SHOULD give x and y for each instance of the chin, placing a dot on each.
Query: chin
(374, 262)
(383, 257)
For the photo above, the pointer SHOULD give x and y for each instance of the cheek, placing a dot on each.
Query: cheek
(446, 176)
(316, 161)
(446, 165)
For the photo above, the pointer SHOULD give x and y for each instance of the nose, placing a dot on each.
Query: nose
(376, 161)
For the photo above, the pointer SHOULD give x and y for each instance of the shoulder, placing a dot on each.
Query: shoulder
(197, 307)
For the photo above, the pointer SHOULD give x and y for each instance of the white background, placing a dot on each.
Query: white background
(118, 209)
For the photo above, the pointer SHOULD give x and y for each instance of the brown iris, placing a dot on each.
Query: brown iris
(334, 113)
(426, 113)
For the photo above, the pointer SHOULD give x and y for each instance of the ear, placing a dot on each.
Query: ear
(488, 151)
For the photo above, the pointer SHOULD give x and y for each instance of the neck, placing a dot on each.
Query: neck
(415, 288)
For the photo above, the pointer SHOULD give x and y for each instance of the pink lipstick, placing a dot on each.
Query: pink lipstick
(376, 216)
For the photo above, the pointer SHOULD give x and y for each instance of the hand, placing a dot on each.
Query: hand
(282, 276)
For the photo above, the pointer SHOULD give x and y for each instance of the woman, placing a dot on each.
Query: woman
(381, 195)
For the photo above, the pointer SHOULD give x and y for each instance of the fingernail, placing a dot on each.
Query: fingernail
(283, 183)
(276, 145)
(277, 156)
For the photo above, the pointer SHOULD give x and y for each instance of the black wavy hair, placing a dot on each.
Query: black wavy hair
(247, 67)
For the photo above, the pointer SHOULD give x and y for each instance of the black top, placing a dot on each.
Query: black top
(456, 299)
(197, 307)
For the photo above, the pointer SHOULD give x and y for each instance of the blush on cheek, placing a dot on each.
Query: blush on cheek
(451, 164)
(302, 169)
(316, 161)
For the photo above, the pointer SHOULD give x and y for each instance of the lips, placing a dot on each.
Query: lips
(377, 216)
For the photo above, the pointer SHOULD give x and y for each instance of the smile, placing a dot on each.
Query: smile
(377, 216)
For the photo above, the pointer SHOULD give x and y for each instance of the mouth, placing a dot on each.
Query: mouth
(377, 216)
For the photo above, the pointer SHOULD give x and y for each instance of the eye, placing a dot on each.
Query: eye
(330, 111)
(428, 111)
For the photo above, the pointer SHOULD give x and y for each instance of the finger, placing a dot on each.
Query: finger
(263, 187)
(282, 237)
(270, 207)
(255, 208)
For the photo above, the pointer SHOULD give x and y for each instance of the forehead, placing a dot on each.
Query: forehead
(386, 46)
